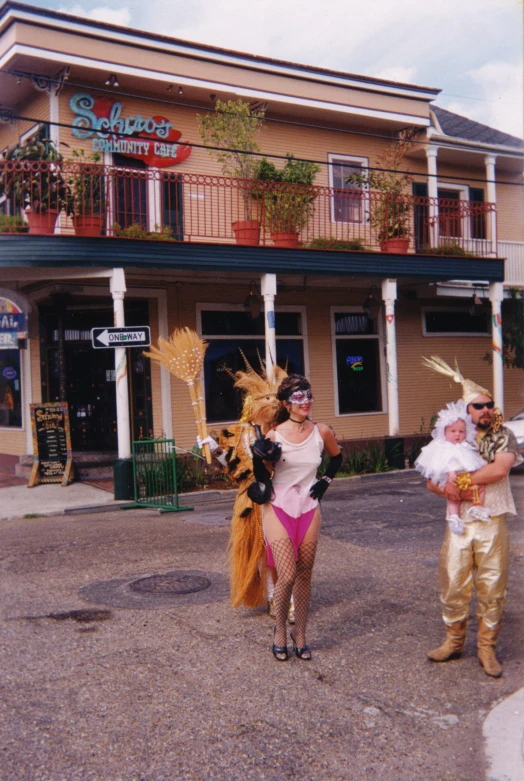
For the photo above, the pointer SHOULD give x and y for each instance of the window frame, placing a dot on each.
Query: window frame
(364, 163)
(440, 334)
(206, 307)
(380, 337)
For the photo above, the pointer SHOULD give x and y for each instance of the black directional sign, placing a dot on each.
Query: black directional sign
(137, 336)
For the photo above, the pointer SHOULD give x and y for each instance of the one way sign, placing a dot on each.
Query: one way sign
(139, 336)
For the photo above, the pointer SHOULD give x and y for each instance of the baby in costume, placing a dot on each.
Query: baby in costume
(452, 451)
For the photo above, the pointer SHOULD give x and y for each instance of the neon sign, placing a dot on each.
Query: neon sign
(151, 139)
(355, 362)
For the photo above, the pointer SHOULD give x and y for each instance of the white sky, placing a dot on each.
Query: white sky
(471, 49)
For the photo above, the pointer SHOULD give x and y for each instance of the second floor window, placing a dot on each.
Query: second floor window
(347, 202)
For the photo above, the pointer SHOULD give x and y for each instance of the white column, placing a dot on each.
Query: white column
(389, 295)
(496, 296)
(431, 155)
(118, 291)
(268, 286)
(490, 162)
(165, 376)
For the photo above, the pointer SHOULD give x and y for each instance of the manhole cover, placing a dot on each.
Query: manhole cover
(172, 583)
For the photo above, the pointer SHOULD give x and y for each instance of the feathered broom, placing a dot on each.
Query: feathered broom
(183, 356)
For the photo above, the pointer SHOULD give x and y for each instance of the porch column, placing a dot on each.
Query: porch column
(490, 162)
(496, 296)
(389, 295)
(431, 155)
(118, 290)
(268, 287)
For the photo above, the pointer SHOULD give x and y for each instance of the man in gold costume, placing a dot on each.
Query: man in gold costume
(480, 555)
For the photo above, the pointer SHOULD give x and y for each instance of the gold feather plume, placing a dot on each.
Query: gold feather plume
(438, 365)
(182, 355)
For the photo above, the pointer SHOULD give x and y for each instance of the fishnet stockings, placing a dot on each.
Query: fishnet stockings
(292, 578)
(302, 590)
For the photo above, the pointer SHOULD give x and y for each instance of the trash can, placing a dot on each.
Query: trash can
(123, 478)
(394, 452)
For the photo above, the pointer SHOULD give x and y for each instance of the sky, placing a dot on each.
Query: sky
(470, 49)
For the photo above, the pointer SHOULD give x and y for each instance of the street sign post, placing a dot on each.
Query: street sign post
(134, 336)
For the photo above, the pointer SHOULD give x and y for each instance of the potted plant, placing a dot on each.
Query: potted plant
(232, 131)
(289, 204)
(35, 183)
(390, 213)
(85, 193)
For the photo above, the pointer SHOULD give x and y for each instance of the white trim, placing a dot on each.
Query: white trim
(33, 130)
(252, 93)
(465, 222)
(445, 309)
(380, 336)
(451, 142)
(364, 163)
(238, 58)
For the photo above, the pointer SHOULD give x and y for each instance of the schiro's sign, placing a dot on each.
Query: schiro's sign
(151, 139)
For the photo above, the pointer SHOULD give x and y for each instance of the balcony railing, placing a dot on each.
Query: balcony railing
(165, 205)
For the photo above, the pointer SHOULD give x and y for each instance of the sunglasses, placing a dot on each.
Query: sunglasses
(481, 405)
(300, 397)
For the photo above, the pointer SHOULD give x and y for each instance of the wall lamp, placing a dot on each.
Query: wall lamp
(476, 303)
(372, 304)
(112, 81)
(253, 302)
(180, 90)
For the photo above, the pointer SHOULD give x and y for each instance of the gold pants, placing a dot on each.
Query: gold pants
(480, 557)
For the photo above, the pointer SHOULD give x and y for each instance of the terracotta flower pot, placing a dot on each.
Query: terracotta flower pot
(395, 246)
(247, 232)
(285, 239)
(88, 224)
(42, 223)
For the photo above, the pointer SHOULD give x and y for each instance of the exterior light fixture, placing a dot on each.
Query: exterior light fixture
(212, 96)
(170, 88)
(253, 302)
(180, 90)
(112, 81)
(372, 304)
(476, 303)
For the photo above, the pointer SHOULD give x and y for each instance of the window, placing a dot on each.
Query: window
(131, 192)
(455, 322)
(347, 203)
(10, 389)
(358, 363)
(449, 213)
(230, 331)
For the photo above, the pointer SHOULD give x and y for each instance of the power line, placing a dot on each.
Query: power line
(275, 156)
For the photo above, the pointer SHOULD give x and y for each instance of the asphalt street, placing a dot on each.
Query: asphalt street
(122, 659)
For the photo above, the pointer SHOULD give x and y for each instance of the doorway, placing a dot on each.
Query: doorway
(73, 371)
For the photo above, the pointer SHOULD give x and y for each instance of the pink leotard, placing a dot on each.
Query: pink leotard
(295, 473)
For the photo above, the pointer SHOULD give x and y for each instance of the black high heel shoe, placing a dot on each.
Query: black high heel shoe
(303, 653)
(280, 652)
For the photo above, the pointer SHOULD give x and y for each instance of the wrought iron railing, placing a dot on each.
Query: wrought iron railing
(155, 204)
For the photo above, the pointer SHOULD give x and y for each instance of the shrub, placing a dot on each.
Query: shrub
(354, 245)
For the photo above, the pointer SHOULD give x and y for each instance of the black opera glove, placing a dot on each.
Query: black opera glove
(318, 490)
(265, 449)
(260, 490)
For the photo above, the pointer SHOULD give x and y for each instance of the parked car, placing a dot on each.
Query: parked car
(516, 424)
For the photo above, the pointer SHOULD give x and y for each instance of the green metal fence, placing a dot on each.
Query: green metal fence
(154, 472)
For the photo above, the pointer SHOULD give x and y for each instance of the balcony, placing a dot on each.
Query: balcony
(155, 204)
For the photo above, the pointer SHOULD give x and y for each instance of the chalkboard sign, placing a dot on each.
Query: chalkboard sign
(53, 456)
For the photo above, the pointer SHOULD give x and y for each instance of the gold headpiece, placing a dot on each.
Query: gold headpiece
(260, 404)
(470, 389)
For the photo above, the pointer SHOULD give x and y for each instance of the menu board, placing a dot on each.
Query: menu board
(53, 455)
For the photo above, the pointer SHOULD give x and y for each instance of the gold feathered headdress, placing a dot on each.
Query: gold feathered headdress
(260, 403)
(470, 389)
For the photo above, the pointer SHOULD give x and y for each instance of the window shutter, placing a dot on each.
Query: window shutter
(420, 216)
(478, 221)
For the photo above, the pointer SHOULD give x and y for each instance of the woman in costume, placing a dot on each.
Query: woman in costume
(291, 516)
(453, 451)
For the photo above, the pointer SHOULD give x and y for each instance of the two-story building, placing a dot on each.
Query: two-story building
(336, 302)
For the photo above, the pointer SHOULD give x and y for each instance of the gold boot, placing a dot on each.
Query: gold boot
(453, 644)
(487, 642)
